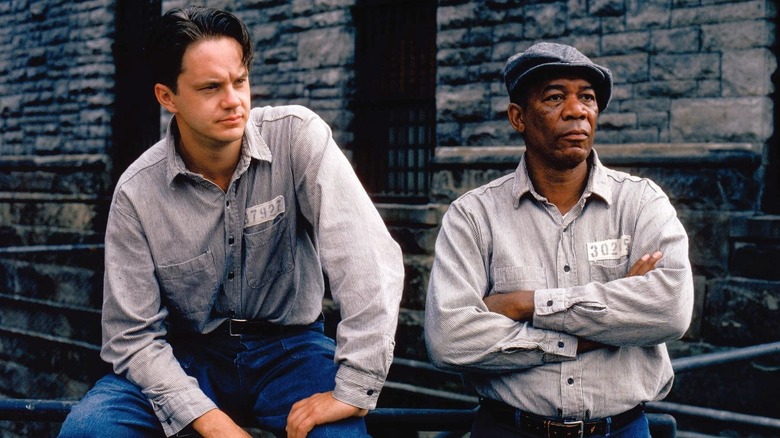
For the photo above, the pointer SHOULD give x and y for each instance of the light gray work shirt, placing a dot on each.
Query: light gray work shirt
(504, 236)
(182, 255)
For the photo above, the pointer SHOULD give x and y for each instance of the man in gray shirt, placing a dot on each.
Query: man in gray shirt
(216, 244)
(554, 288)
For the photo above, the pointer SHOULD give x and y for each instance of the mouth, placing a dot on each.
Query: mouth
(231, 120)
(576, 135)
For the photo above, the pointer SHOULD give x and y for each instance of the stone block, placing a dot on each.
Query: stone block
(706, 14)
(652, 119)
(617, 121)
(647, 135)
(456, 16)
(417, 270)
(462, 103)
(742, 312)
(607, 8)
(685, 66)
(325, 47)
(748, 72)
(625, 42)
(652, 14)
(667, 88)
(737, 35)
(756, 260)
(626, 68)
(677, 40)
(485, 133)
(544, 20)
(587, 28)
(708, 242)
(746, 119)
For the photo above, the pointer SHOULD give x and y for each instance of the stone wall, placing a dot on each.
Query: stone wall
(692, 108)
(304, 55)
(685, 71)
(56, 95)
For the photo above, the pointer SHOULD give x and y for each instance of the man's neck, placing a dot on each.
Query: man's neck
(217, 163)
(562, 188)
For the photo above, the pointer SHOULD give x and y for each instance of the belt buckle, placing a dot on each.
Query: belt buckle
(230, 326)
(577, 423)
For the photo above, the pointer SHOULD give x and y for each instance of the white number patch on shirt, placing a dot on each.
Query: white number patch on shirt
(264, 212)
(612, 249)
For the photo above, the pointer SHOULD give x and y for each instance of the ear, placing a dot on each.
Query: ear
(165, 95)
(515, 114)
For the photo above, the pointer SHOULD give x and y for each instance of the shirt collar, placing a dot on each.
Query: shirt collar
(252, 147)
(598, 183)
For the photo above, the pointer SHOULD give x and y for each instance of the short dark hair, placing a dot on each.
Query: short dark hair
(180, 27)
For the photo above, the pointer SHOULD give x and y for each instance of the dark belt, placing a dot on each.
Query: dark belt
(253, 327)
(540, 426)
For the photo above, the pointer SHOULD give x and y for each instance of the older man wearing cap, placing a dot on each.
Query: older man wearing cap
(554, 288)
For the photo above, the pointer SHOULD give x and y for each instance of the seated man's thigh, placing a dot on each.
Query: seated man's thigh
(113, 407)
(304, 366)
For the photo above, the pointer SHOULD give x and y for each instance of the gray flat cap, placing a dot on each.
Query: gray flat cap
(553, 58)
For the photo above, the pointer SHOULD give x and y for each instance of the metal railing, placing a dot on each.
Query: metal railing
(660, 414)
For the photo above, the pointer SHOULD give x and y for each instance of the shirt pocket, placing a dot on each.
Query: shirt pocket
(513, 278)
(268, 251)
(608, 270)
(190, 287)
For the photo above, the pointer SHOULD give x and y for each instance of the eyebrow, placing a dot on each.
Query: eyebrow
(560, 87)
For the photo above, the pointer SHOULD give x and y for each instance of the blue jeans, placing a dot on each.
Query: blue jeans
(485, 427)
(253, 379)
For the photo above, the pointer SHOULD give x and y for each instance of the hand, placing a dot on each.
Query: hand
(645, 264)
(517, 305)
(216, 423)
(318, 409)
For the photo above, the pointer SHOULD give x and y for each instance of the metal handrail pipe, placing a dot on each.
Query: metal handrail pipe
(713, 414)
(39, 249)
(35, 410)
(684, 364)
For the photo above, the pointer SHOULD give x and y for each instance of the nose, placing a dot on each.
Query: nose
(231, 98)
(574, 108)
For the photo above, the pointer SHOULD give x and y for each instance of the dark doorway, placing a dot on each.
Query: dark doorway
(395, 106)
(136, 120)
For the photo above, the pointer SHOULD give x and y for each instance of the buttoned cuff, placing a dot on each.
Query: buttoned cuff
(176, 412)
(559, 347)
(357, 388)
(549, 309)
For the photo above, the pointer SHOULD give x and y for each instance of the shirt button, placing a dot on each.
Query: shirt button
(230, 275)
(231, 240)
(570, 381)
(550, 302)
(370, 392)
(227, 204)
(566, 268)
(560, 344)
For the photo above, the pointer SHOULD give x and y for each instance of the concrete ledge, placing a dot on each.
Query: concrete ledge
(634, 154)
(425, 214)
(35, 162)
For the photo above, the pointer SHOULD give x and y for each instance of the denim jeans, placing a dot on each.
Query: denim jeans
(485, 427)
(254, 379)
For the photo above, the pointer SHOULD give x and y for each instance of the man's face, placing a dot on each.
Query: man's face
(558, 123)
(213, 98)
